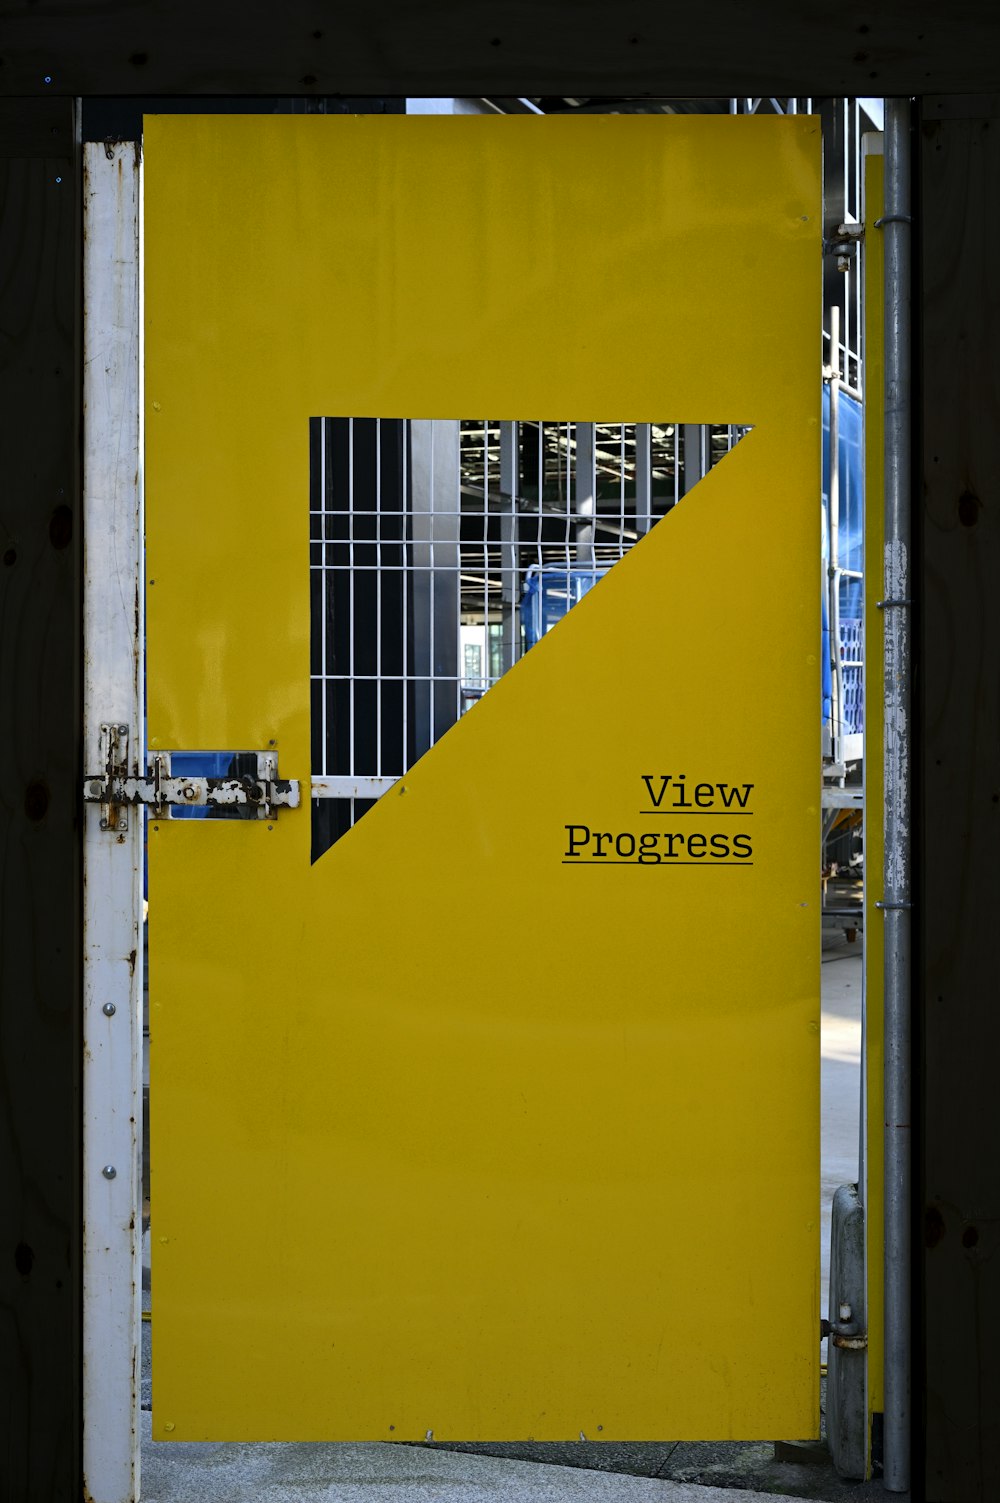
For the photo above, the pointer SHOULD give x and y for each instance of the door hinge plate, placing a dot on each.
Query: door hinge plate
(114, 759)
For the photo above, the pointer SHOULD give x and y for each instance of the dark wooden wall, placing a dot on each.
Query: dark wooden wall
(909, 48)
(957, 1378)
(40, 958)
(503, 47)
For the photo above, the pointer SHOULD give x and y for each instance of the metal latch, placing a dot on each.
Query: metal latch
(115, 790)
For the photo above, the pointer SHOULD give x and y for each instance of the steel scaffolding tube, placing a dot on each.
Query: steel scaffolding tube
(895, 225)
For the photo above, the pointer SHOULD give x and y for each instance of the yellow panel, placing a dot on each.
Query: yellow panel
(874, 797)
(563, 1179)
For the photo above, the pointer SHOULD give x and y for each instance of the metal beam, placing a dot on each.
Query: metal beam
(694, 453)
(436, 481)
(585, 493)
(510, 574)
(643, 478)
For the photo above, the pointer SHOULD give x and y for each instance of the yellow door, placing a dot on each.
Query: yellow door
(551, 1172)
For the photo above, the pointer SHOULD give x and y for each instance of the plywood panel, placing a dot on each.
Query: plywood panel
(40, 1420)
(959, 799)
(587, 49)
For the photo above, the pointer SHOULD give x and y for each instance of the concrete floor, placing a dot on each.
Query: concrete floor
(268, 1473)
(651, 1473)
(840, 1104)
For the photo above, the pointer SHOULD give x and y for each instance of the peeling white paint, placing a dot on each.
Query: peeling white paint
(113, 675)
(897, 720)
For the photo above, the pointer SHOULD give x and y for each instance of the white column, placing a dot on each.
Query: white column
(112, 919)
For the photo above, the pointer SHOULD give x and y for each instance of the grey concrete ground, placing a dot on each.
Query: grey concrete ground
(840, 1108)
(656, 1472)
(266, 1473)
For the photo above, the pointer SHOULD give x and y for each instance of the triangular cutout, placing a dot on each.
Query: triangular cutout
(442, 552)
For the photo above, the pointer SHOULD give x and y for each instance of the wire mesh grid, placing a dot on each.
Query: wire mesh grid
(441, 551)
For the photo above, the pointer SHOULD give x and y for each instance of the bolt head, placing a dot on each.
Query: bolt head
(123, 730)
(109, 1171)
(123, 824)
(95, 787)
(109, 1009)
(104, 824)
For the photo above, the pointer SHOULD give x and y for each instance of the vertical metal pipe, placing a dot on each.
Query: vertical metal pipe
(895, 225)
(833, 562)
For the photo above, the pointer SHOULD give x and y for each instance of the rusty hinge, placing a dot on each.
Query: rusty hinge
(115, 790)
(845, 1332)
(844, 244)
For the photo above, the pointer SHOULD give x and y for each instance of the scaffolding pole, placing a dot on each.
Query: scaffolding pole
(897, 903)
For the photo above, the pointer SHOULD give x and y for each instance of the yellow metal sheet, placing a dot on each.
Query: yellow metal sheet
(874, 1052)
(554, 1172)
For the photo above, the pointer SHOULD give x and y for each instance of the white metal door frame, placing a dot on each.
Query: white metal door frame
(113, 839)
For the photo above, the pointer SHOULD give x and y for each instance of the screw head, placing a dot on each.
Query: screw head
(95, 787)
(104, 824)
(109, 1171)
(123, 824)
(109, 1009)
(122, 730)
